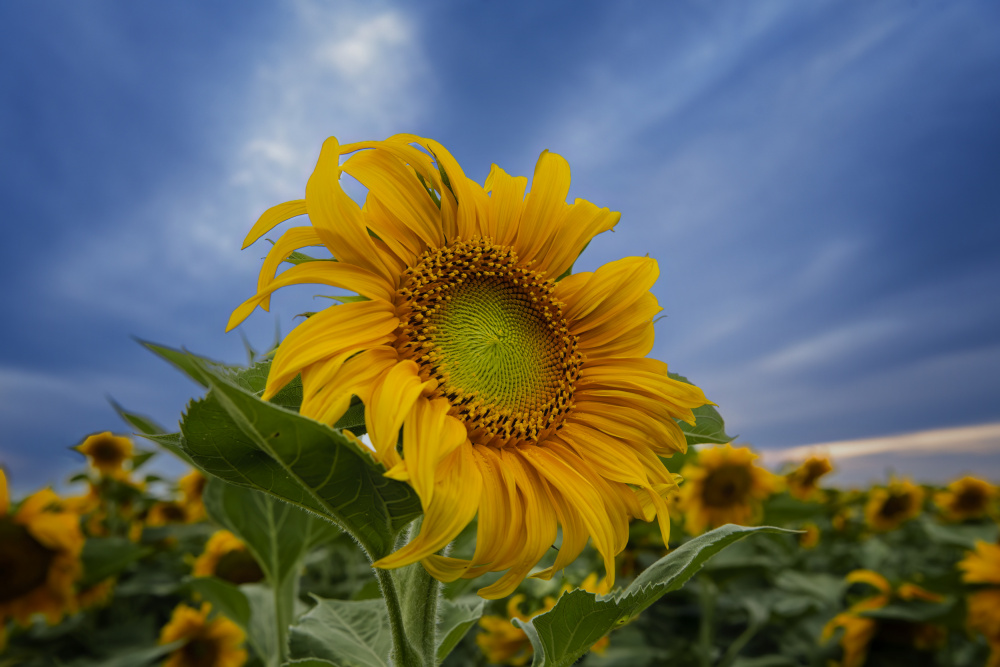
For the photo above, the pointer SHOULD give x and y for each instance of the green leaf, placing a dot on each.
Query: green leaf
(959, 535)
(226, 598)
(579, 618)
(455, 619)
(140, 423)
(140, 458)
(914, 611)
(279, 536)
(297, 258)
(344, 632)
(104, 557)
(234, 435)
(709, 427)
(783, 509)
(354, 419)
(135, 657)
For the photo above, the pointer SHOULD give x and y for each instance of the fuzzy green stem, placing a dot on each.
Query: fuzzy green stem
(403, 654)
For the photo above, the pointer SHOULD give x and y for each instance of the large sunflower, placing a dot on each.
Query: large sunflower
(521, 397)
(40, 545)
(724, 486)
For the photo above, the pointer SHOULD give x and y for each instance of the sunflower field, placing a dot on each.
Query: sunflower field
(472, 460)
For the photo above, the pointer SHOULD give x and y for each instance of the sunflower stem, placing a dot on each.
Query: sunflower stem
(419, 595)
(403, 654)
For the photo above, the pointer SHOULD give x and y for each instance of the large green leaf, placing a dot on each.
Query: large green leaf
(104, 557)
(226, 598)
(351, 633)
(455, 619)
(709, 427)
(279, 536)
(579, 619)
(234, 435)
(357, 633)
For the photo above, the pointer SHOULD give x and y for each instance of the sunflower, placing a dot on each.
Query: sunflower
(227, 558)
(803, 481)
(214, 643)
(966, 498)
(504, 643)
(890, 506)
(523, 396)
(723, 486)
(40, 545)
(107, 453)
(862, 633)
(192, 487)
(96, 595)
(982, 565)
(166, 512)
(984, 618)
(810, 537)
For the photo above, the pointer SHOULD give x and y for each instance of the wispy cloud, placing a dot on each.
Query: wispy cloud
(931, 456)
(350, 70)
(828, 348)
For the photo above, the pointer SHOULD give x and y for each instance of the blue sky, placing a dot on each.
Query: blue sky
(818, 181)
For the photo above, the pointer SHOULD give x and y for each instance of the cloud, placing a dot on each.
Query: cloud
(931, 456)
(827, 348)
(349, 70)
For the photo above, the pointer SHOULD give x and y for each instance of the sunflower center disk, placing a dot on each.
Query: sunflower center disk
(24, 563)
(490, 333)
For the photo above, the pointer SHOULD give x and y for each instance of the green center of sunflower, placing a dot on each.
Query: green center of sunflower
(488, 330)
(24, 562)
(727, 486)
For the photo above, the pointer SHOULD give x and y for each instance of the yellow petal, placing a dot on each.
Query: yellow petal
(574, 534)
(499, 533)
(391, 403)
(327, 388)
(429, 435)
(290, 241)
(540, 523)
(580, 494)
(340, 330)
(456, 500)
(337, 218)
(4, 494)
(336, 274)
(545, 206)
(396, 188)
(582, 222)
(445, 568)
(610, 292)
(506, 203)
(273, 217)
(871, 578)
